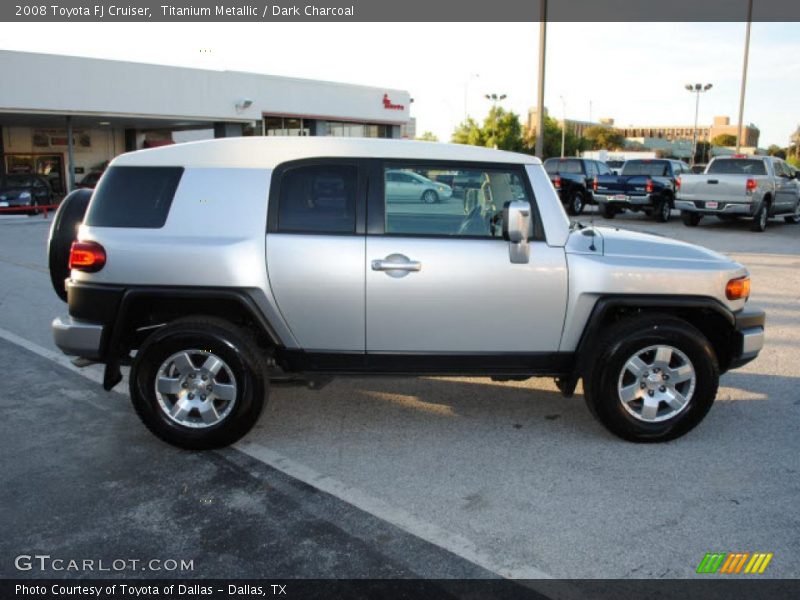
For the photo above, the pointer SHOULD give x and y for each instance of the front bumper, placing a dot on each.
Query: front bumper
(78, 338)
(749, 336)
(723, 208)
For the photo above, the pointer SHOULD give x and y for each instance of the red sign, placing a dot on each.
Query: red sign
(387, 104)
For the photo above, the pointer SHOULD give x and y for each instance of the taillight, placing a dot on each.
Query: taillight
(594, 184)
(738, 288)
(750, 186)
(677, 183)
(649, 186)
(557, 182)
(87, 256)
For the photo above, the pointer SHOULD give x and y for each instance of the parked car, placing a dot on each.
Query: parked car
(760, 187)
(25, 192)
(644, 185)
(356, 284)
(573, 180)
(408, 186)
(89, 181)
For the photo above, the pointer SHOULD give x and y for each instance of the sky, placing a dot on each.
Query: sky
(632, 72)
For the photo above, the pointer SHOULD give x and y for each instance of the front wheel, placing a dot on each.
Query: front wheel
(654, 378)
(577, 202)
(795, 218)
(430, 197)
(198, 383)
(690, 219)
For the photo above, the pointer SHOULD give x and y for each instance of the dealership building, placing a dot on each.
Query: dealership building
(66, 116)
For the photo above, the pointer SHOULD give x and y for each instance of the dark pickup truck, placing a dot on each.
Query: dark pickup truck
(573, 178)
(646, 185)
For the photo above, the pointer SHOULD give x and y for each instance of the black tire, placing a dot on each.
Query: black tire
(663, 210)
(690, 219)
(620, 342)
(226, 341)
(577, 201)
(63, 232)
(795, 218)
(429, 197)
(607, 211)
(760, 219)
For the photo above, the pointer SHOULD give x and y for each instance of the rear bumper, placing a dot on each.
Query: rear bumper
(724, 208)
(749, 336)
(628, 202)
(78, 338)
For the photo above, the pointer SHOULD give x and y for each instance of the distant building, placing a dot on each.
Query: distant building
(576, 126)
(720, 126)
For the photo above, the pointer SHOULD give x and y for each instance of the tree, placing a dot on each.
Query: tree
(604, 138)
(427, 137)
(775, 150)
(573, 145)
(724, 139)
(500, 129)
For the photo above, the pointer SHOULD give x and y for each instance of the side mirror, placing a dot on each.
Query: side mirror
(516, 228)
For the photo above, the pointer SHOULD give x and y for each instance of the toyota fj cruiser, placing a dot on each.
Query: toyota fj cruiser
(218, 267)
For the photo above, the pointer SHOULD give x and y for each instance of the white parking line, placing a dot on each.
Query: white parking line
(401, 519)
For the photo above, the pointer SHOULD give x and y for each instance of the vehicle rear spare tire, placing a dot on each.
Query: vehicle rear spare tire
(63, 232)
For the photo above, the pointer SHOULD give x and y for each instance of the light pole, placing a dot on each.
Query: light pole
(697, 89)
(466, 92)
(744, 75)
(539, 150)
(563, 124)
(495, 98)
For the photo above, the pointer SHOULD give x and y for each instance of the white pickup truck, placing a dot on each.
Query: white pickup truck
(760, 187)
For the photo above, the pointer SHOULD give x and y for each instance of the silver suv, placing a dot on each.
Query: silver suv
(217, 268)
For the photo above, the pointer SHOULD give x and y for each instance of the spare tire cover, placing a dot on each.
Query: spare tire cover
(63, 232)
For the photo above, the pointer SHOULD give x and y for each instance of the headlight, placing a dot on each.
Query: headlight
(25, 195)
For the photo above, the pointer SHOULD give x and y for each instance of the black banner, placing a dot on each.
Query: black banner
(397, 11)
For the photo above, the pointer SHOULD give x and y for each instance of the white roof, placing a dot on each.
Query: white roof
(260, 152)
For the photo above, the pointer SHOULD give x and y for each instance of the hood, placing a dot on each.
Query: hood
(609, 241)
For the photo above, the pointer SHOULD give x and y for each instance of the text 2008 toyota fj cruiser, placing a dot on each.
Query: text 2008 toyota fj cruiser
(221, 265)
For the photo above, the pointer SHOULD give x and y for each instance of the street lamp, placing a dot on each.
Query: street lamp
(697, 88)
(563, 123)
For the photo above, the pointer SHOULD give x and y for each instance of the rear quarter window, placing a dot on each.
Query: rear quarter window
(134, 197)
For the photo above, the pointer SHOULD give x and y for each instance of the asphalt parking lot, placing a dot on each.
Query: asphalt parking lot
(425, 477)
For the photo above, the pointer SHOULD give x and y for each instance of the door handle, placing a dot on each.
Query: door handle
(388, 265)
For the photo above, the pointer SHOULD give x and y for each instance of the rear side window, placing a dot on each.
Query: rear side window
(318, 199)
(134, 197)
(737, 166)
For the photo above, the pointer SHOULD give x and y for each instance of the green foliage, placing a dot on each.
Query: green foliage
(573, 145)
(427, 137)
(775, 150)
(604, 138)
(794, 161)
(500, 129)
(724, 139)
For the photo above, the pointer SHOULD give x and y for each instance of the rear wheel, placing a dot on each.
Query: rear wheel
(577, 201)
(663, 210)
(760, 218)
(654, 378)
(607, 211)
(690, 219)
(199, 383)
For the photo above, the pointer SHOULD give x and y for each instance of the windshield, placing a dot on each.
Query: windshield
(737, 166)
(648, 167)
(561, 165)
